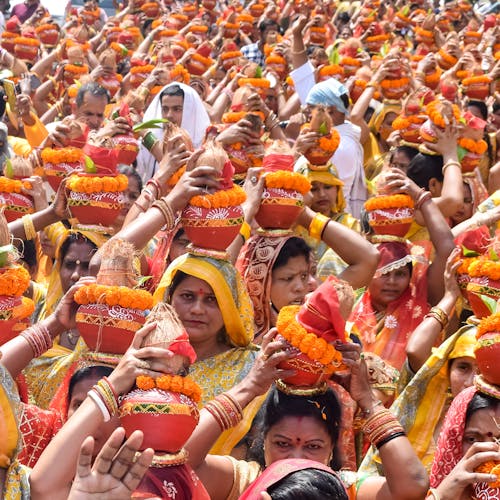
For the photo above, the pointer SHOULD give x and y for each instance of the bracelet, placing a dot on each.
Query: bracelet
(390, 437)
(166, 211)
(154, 183)
(107, 394)
(143, 91)
(370, 411)
(39, 339)
(451, 163)
(139, 206)
(148, 191)
(225, 410)
(424, 197)
(149, 140)
(432, 493)
(245, 231)
(381, 426)
(29, 228)
(273, 121)
(439, 315)
(298, 53)
(372, 85)
(96, 398)
(318, 226)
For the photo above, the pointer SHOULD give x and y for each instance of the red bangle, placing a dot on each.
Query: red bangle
(156, 185)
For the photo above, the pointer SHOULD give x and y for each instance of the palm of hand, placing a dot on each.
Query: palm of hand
(105, 485)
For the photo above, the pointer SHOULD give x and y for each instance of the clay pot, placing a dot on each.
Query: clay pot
(108, 328)
(308, 372)
(478, 286)
(478, 91)
(279, 208)
(151, 10)
(127, 147)
(487, 354)
(27, 53)
(470, 161)
(412, 133)
(11, 328)
(212, 228)
(317, 37)
(96, 208)
(427, 132)
(167, 419)
(195, 67)
(8, 41)
(49, 36)
(392, 221)
(16, 205)
(209, 4)
(56, 172)
(111, 84)
(463, 280)
(395, 93)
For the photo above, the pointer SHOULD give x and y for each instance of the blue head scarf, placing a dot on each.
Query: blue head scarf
(327, 93)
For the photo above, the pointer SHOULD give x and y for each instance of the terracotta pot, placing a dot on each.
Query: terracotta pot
(49, 36)
(478, 286)
(392, 221)
(395, 93)
(137, 78)
(26, 52)
(318, 156)
(56, 172)
(16, 205)
(230, 32)
(487, 354)
(478, 91)
(470, 161)
(127, 147)
(167, 419)
(484, 491)
(96, 208)
(10, 328)
(279, 208)
(308, 372)
(195, 67)
(212, 228)
(108, 328)
(246, 27)
(463, 281)
(209, 4)
(427, 131)
(151, 10)
(412, 133)
(112, 85)
(317, 38)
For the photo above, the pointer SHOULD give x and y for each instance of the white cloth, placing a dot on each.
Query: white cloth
(303, 80)
(195, 121)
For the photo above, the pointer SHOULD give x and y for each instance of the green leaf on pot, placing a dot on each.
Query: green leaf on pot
(9, 169)
(155, 123)
(334, 57)
(493, 255)
(468, 253)
(323, 129)
(142, 280)
(5, 251)
(490, 303)
(461, 152)
(90, 167)
(258, 72)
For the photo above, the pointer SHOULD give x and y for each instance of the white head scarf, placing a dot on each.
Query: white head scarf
(195, 121)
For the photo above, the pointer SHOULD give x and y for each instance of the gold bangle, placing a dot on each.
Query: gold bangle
(372, 85)
(29, 228)
(166, 211)
(143, 91)
(245, 231)
(451, 163)
(317, 226)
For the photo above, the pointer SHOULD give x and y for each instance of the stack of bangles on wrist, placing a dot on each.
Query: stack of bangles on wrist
(382, 427)
(451, 163)
(317, 226)
(105, 398)
(39, 339)
(439, 315)
(29, 228)
(272, 121)
(167, 213)
(424, 197)
(226, 411)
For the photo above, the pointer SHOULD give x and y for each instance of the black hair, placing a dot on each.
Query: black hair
(73, 238)
(324, 408)
(293, 247)
(481, 106)
(345, 99)
(495, 108)
(131, 172)
(179, 233)
(308, 484)
(424, 167)
(29, 253)
(268, 23)
(406, 150)
(87, 372)
(173, 90)
(480, 402)
(92, 88)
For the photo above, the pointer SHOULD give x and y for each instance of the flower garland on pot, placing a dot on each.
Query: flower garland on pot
(111, 310)
(483, 289)
(390, 214)
(15, 309)
(477, 86)
(283, 196)
(14, 188)
(471, 146)
(310, 329)
(440, 114)
(212, 221)
(329, 140)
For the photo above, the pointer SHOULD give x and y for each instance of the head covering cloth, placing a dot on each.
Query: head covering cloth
(327, 93)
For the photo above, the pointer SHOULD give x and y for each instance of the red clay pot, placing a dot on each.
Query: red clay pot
(487, 353)
(108, 328)
(478, 91)
(167, 419)
(26, 52)
(49, 36)
(470, 161)
(11, 328)
(478, 286)
(127, 147)
(96, 208)
(279, 208)
(392, 221)
(309, 372)
(395, 93)
(212, 228)
(56, 172)
(16, 205)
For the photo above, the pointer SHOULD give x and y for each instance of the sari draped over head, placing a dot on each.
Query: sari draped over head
(278, 471)
(195, 121)
(221, 372)
(386, 334)
(255, 263)
(16, 485)
(421, 406)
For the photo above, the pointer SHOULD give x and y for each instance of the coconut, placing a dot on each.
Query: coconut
(212, 156)
(117, 267)
(321, 121)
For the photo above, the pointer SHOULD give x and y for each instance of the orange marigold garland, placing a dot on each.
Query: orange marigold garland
(316, 348)
(485, 267)
(490, 467)
(96, 184)
(14, 281)
(175, 178)
(390, 201)
(488, 325)
(221, 199)
(174, 383)
(463, 268)
(63, 155)
(282, 179)
(123, 296)
(433, 111)
(478, 147)
(13, 185)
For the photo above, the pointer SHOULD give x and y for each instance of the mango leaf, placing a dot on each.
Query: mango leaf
(5, 251)
(384, 50)
(468, 253)
(90, 167)
(155, 123)
(258, 72)
(142, 280)
(9, 169)
(406, 10)
(490, 303)
(461, 152)
(493, 255)
(323, 129)
(334, 57)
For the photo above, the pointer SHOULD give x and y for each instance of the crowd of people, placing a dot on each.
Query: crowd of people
(363, 103)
